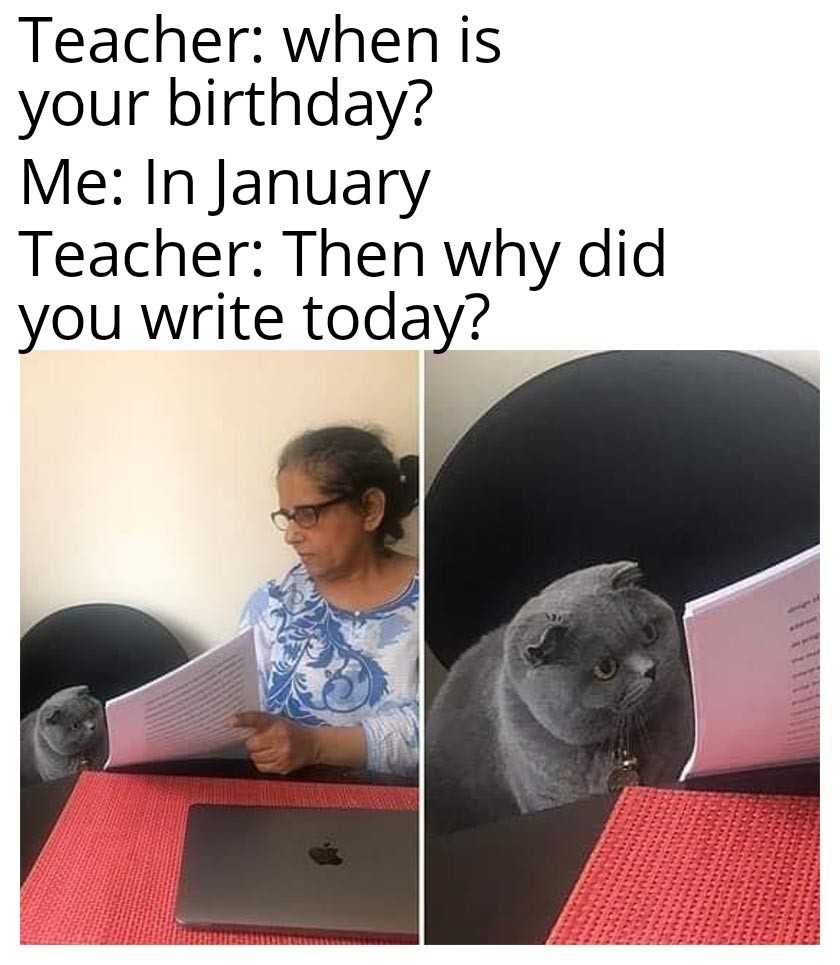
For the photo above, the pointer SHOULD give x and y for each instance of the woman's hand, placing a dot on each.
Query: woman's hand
(276, 745)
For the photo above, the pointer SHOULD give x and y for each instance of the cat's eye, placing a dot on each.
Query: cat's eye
(650, 632)
(606, 668)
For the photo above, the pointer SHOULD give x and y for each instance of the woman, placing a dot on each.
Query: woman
(337, 636)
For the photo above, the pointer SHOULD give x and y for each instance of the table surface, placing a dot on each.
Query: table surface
(506, 882)
(41, 804)
(502, 883)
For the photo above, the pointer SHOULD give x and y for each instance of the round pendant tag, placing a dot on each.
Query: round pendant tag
(622, 777)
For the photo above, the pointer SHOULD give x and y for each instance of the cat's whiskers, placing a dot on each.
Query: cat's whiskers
(632, 696)
(622, 737)
(612, 744)
(645, 743)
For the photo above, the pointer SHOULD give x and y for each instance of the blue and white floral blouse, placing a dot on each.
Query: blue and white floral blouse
(321, 665)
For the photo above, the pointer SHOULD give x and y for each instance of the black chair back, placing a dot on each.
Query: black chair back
(701, 466)
(110, 647)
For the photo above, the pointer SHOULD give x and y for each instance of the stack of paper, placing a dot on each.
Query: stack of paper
(754, 650)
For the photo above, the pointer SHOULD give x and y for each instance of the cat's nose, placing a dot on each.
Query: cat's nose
(650, 672)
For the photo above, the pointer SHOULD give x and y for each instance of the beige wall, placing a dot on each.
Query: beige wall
(147, 477)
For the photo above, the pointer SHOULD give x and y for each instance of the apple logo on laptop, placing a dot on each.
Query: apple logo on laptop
(326, 854)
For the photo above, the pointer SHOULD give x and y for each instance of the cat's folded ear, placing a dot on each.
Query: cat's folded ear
(625, 574)
(547, 648)
(539, 642)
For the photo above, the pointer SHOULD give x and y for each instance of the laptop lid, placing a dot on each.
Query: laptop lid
(302, 870)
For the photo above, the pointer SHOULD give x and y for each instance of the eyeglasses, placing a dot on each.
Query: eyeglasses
(304, 516)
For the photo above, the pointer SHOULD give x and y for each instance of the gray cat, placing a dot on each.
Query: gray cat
(66, 733)
(584, 691)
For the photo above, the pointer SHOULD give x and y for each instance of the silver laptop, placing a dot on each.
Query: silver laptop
(300, 870)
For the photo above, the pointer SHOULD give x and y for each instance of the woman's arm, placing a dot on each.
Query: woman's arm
(387, 742)
(278, 746)
(392, 738)
(341, 746)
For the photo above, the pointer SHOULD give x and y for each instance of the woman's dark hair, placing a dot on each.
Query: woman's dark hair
(346, 461)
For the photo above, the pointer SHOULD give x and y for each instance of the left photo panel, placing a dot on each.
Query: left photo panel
(219, 599)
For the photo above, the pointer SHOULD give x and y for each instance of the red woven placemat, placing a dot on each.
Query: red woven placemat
(109, 872)
(694, 867)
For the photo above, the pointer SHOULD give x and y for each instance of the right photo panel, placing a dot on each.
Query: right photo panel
(622, 628)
